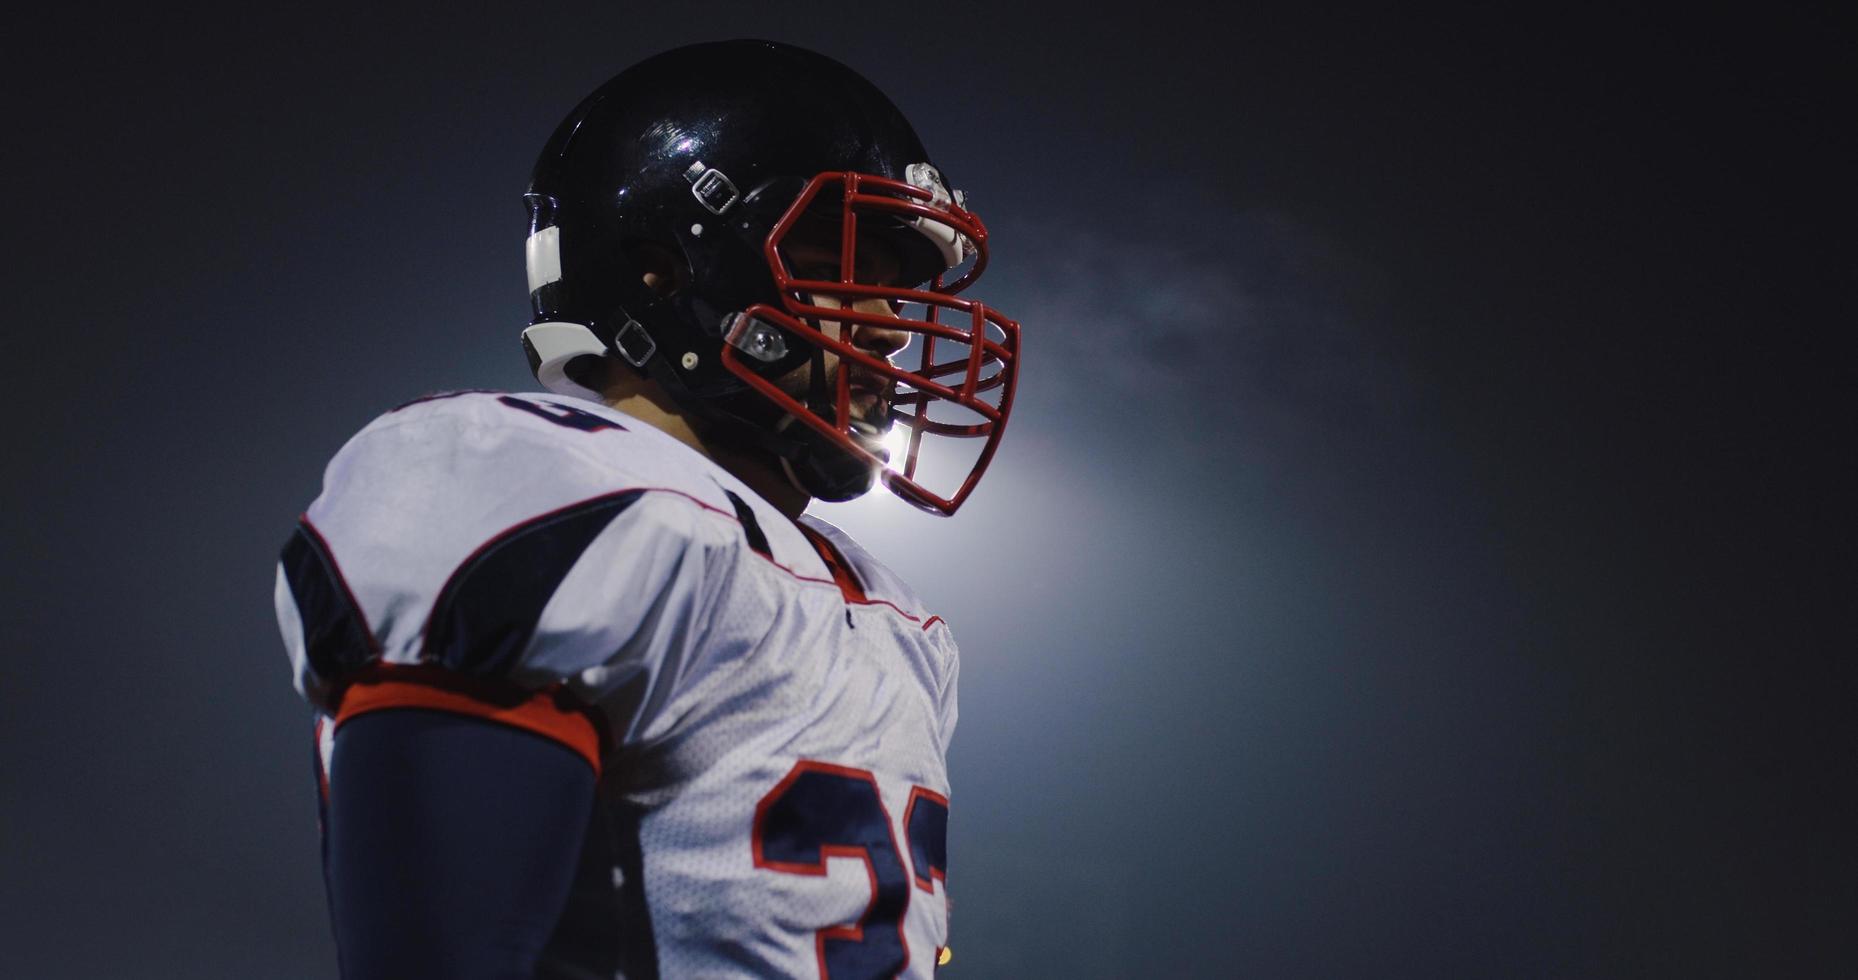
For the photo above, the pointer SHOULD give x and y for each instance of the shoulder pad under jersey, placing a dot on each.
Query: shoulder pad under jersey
(878, 582)
(531, 537)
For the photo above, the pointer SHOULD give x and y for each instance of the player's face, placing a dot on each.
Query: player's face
(870, 392)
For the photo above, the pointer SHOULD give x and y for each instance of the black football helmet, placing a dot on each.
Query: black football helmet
(719, 156)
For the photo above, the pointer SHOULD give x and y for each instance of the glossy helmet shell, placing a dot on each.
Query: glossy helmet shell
(618, 172)
(699, 153)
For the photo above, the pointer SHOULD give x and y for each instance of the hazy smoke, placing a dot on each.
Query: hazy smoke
(1240, 317)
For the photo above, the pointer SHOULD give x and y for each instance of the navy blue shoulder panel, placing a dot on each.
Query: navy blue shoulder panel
(750, 527)
(336, 638)
(488, 610)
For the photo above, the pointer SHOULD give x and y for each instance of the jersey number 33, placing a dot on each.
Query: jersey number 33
(822, 811)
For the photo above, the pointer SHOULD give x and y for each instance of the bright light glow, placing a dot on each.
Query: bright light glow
(897, 441)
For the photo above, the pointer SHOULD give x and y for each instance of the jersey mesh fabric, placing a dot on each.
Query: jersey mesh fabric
(718, 670)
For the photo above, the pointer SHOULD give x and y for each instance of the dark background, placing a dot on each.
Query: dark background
(1422, 547)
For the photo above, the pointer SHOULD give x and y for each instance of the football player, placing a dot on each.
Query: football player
(594, 697)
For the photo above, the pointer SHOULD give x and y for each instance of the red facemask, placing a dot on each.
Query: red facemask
(955, 399)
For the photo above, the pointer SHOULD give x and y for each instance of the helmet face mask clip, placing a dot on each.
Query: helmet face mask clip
(712, 188)
(633, 344)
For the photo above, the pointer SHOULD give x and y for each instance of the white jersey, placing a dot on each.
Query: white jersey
(773, 794)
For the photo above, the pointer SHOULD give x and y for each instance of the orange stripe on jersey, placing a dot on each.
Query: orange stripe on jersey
(841, 571)
(551, 712)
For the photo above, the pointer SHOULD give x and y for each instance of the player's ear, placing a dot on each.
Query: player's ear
(662, 267)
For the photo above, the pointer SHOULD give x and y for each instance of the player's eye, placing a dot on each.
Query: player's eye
(874, 267)
(817, 270)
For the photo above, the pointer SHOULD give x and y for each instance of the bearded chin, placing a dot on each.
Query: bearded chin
(817, 464)
(828, 471)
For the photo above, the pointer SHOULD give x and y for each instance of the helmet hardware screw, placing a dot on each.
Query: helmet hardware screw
(689, 360)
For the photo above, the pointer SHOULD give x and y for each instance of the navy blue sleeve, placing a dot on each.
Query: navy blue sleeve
(451, 843)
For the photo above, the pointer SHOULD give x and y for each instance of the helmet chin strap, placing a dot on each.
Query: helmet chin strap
(821, 468)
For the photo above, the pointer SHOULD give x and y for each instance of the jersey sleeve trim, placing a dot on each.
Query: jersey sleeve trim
(551, 712)
(336, 636)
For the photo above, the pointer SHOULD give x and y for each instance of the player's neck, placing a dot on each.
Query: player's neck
(649, 404)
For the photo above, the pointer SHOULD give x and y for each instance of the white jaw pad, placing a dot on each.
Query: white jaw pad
(555, 344)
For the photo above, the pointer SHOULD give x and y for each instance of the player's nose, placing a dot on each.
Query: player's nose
(881, 340)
